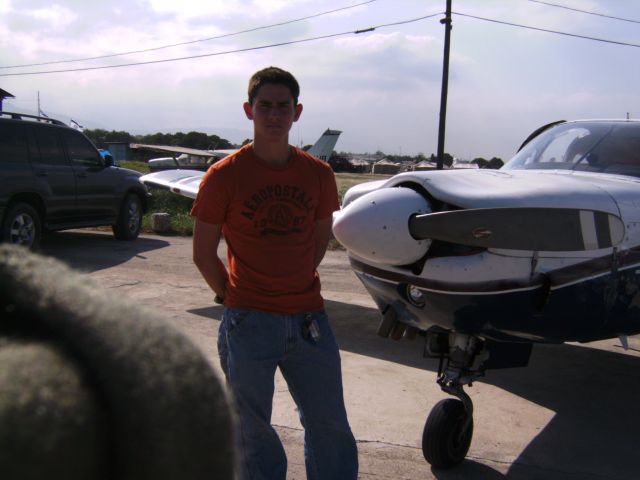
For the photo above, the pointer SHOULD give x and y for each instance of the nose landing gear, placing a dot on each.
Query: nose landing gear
(449, 427)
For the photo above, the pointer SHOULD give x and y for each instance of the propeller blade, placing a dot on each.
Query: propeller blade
(542, 229)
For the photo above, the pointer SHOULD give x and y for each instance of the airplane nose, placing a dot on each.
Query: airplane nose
(375, 226)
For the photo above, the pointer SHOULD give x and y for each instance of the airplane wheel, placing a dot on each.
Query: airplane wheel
(444, 443)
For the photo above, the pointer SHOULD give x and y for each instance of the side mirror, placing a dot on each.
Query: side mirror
(108, 161)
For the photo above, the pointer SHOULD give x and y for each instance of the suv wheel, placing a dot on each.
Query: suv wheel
(129, 220)
(22, 226)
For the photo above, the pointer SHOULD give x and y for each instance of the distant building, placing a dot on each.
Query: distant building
(459, 163)
(425, 165)
(119, 150)
(347, 163)
(360, 165)
(385, 166)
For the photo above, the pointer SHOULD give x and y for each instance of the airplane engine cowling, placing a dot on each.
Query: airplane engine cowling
(375, 226)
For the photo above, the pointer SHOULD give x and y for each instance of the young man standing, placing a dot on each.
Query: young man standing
(273, 203)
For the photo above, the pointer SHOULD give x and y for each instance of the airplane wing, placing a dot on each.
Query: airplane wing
(172, 149)
(181, 182)
(186, 182)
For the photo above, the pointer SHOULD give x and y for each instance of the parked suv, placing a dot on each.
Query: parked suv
(53, 178)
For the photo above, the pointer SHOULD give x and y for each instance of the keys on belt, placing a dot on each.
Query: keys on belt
(310, 329)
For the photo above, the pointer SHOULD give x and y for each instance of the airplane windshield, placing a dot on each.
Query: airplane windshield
(605, 147)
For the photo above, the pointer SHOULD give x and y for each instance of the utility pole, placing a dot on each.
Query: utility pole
(446, 21)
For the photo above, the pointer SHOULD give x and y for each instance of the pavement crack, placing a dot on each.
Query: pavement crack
(390, 444)
(126, 284)
(359, 441)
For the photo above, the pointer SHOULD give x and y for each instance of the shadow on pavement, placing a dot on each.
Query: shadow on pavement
(593, 393)
(90, 250)
(214, 312)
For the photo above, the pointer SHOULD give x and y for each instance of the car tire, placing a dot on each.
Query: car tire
(22, 226)
(127, 227)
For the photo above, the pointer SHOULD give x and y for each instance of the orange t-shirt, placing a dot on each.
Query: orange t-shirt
(268, 217)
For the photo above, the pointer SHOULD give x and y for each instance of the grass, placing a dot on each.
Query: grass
(347, 180)
(178, 206)
(141, 167)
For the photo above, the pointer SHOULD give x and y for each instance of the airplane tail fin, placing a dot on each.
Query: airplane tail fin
(323, 148)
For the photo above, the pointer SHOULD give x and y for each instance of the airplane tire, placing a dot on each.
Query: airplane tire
(444, 444)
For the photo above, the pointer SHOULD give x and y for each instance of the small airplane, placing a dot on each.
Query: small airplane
(487, 263)
(181, 157)
(184, 178)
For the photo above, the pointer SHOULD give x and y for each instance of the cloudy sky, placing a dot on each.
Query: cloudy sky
(381, 87)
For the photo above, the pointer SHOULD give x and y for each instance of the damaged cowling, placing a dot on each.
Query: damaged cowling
(375, 226)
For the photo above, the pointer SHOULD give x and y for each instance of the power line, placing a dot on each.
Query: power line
(217, 37)
(626, 44)
(585, 11)
(239, 50)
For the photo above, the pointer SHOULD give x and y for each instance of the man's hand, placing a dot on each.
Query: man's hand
(322, 237)
(206, 238)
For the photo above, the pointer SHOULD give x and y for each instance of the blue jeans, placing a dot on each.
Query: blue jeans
(252, 344)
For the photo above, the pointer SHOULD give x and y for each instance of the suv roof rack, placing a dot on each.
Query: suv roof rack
(19, 116)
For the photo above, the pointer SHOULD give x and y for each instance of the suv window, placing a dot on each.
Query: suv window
(50, 151)
(81, 152)
(13, 146)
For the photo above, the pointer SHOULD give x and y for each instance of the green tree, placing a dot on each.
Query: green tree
(100, 136)
(481, 162)
(495, 163)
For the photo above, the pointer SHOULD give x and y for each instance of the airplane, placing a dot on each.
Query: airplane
(487, 263)
(182, 157)
(197, 159)
(186, 181)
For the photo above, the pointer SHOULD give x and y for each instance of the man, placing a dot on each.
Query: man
(273, 203)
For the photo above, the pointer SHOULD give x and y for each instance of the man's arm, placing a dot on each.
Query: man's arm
(322, 237)
(206, 238)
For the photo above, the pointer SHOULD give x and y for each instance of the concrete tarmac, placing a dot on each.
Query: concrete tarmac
(572, 414)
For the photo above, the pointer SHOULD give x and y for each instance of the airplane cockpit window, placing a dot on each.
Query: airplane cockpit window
(610, 147)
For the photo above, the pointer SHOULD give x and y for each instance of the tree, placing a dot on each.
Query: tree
(100, 137)
(481, 162)
(495, 163)
(198, 140)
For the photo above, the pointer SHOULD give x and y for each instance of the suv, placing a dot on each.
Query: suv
(53, 178)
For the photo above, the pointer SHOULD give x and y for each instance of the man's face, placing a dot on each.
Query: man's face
(273, 111)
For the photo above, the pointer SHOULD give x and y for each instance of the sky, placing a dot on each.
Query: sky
(381, 88)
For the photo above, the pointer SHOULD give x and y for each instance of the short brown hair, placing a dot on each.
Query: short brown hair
(273, 75)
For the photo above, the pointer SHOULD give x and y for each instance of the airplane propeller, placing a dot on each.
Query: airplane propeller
(544, 229)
